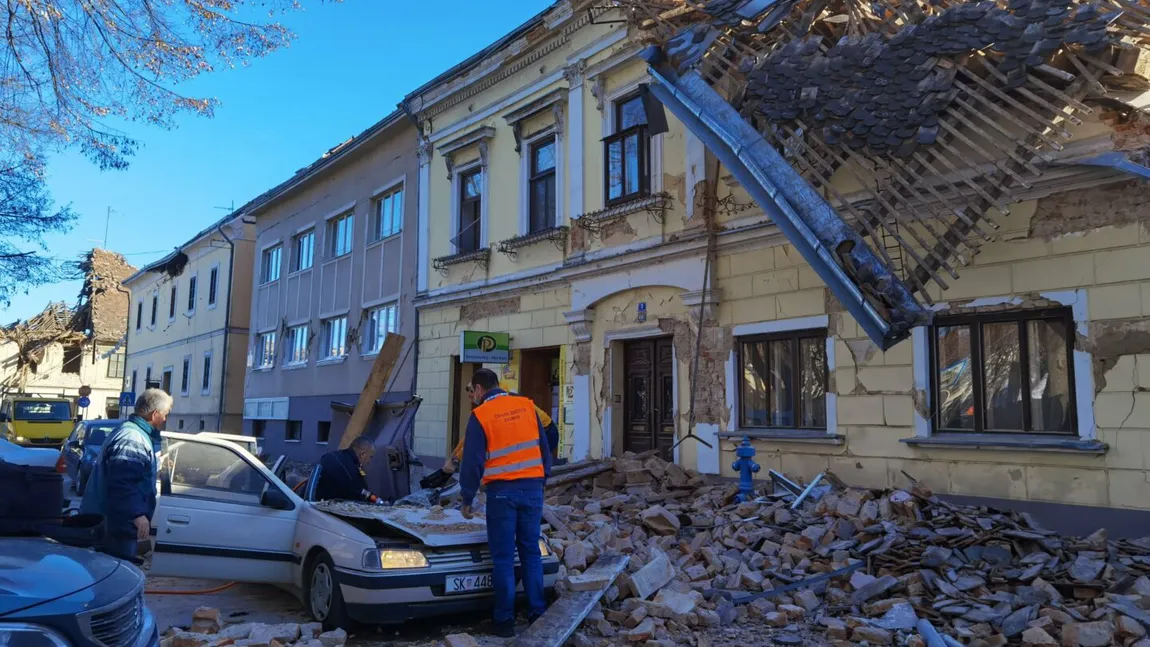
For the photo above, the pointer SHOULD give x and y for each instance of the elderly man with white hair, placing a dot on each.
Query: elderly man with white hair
(122, 487)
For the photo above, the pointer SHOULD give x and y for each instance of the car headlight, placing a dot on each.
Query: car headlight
(392, 558)
(543, 549)
(20, 439)
(25, 635)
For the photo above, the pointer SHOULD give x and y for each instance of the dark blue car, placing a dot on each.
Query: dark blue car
(79, 452)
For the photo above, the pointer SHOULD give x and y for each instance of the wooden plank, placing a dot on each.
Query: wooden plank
(374, 389)
(554, 627)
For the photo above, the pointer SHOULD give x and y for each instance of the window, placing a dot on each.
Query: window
(148, 378)
(186, 375)
(339, 230)
(783, 380)
(388, 217)
(166, 382)
(297, 339)
(270, 265)
(627, 152)
(1007, 372)
(134, 382)
(303, 251)
(139, 314)
(155, 304)
(213, 280)
(259, 427)
(541, 186)
(181, 425)
(206, 380)
(192, 294)
(212, 472)
(266, 350)
(172, 303)
(294, 431)
(470, 211)
(323, 431)
(116, 366)
(73, 359)
(202, 425)
(380, 321)
(335, 337)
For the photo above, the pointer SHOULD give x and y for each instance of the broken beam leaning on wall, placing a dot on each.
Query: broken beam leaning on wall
(374, 389)
(941, 112)
(561, 619)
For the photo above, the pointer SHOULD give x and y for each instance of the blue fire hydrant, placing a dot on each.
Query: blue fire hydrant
(746, 467)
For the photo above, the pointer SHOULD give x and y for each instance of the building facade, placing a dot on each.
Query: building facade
(188, 326)
(648, 300)
(334, 274)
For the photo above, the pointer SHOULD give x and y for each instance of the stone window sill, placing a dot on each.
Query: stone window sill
(332, 360)
(294, 367)
(263, 369)
(811, 437)
(1010, 442)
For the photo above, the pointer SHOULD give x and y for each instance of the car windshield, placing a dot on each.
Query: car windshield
(96, 434)
(44, 411)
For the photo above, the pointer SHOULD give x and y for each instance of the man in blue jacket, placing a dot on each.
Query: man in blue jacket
(122, 487)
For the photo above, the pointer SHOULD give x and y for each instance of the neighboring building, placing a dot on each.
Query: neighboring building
(63, 349)
(335, 272)
(553, 211)
(188, 326)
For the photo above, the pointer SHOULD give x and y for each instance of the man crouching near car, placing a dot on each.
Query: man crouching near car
(505, 448)
(122, 487)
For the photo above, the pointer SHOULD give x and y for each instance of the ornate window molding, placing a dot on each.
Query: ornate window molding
(479, 137)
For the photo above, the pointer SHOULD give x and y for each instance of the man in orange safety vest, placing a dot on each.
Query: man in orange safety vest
(505, 448)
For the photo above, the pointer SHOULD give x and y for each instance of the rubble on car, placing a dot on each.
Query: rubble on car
(847, 566)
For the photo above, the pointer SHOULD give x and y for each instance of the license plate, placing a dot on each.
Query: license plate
(467, 583)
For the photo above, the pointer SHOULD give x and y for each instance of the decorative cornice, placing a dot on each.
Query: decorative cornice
(573, 73)
(555, 100)
(599, 91)
(580, 322)
(479, 136)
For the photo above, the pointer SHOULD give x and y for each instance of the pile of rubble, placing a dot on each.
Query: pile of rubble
(843, 567)
(208, 629)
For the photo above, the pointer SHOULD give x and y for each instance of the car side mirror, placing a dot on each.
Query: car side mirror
(275, 499)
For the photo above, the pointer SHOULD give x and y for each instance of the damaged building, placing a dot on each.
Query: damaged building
(872, 238)
(64, 348)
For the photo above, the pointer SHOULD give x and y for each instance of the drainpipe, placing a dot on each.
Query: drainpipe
(227, 328)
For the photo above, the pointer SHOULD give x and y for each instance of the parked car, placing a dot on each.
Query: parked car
(80, 451)
(222, 514)
(33, 420)
(60, 596)
(33, 456)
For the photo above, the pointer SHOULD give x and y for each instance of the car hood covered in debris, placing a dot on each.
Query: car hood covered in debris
(35, 571)
(435, 527)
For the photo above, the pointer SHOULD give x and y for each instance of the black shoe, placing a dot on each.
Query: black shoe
(503, 631)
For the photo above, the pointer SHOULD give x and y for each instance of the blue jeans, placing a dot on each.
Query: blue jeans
(124, 549)
(514, 516)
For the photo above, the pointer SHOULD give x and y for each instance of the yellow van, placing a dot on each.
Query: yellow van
(34, 421)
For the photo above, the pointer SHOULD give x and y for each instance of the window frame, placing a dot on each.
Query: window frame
(326, 438)
(206, 378)
(975, 321)
(173, 296)
(462, 202)
(372, 330)
(115, 359)
(327, 341)
(135, 374)
(291, 338)
(796, 335)
(266, 267)
(551, 220)
(288, 431)
(186, 375)
(294, 265)
(139, 314)
(168, 373)
(645, 152)
(331, 228)
(193, 283)
(155, 307)
(213, 285)
(268, 354)
(375, 223)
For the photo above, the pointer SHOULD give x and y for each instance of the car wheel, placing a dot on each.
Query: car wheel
(323, 596)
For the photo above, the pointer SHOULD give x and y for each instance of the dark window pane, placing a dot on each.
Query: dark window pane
(754, 384)
(782, 380)
(1049, 368)
(544, 158)
(631, 146)
(614, 170)
(542, 202)
(631, 113)
(1002, 377)
(955, 379)
(812, 397)
(640, 402)
(473, 185)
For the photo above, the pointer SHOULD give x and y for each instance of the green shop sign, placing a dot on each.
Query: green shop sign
(478, 347)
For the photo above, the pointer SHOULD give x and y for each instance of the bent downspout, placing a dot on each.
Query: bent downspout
(227, 328)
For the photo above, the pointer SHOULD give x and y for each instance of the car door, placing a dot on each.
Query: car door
(72, 450)
(221, 514)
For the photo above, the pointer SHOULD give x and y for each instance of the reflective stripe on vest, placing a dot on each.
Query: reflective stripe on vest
(512, 429)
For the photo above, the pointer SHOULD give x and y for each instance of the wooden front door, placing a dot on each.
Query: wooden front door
(649, 396)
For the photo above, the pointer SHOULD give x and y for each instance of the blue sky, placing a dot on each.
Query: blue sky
(350, 65)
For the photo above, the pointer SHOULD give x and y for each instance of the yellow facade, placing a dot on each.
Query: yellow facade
(625, 275)
(200, 329)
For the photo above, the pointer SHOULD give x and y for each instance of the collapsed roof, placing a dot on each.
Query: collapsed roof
(945, 112)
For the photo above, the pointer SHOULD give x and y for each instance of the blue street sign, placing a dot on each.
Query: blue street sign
(83, 402)
(127, 399)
